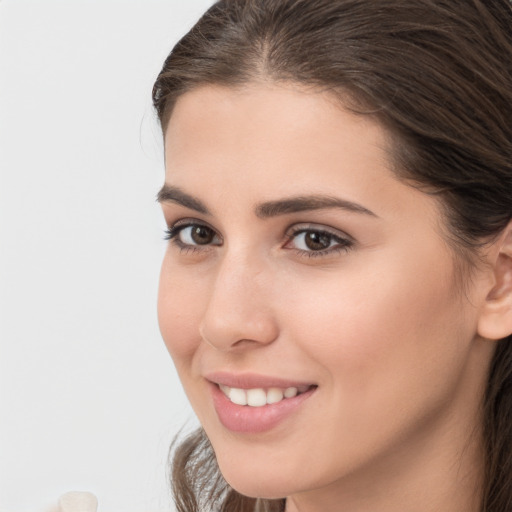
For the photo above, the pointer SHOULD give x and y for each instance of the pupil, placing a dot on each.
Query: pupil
(202, 235)
(317, 241)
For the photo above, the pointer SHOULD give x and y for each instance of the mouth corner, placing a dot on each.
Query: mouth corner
(256, 410)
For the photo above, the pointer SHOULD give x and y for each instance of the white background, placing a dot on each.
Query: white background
(89, 399)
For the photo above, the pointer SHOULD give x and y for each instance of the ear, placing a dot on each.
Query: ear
(495, 320)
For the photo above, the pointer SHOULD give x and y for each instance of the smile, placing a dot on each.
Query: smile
(252, 404)
(259, 397)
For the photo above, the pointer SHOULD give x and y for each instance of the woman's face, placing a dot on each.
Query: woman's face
(299, 263)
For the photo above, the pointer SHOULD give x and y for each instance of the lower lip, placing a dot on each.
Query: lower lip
(253, 420)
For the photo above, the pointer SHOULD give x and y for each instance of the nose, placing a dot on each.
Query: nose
(239, 312)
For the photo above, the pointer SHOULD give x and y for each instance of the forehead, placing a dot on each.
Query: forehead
(288, 107)
(236, 148)
(266, 129)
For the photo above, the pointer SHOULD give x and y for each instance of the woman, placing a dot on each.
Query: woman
(337, 290)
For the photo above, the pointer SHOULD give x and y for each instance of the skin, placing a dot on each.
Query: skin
(381, 327)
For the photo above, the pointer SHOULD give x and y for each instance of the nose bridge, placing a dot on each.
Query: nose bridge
(239, 309)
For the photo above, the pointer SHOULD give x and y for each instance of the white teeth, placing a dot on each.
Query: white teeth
(238, 396)
(290, 392)
(274, 395)
(258, 397)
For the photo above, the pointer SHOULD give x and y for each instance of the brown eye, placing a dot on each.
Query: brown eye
(197, 234)
(317, 241)
(202, 235)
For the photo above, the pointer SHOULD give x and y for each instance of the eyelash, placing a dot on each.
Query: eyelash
(171, 234)
(344, 243)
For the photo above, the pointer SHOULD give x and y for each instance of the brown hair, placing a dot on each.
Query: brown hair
(438, 75)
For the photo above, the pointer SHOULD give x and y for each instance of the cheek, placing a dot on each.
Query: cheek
(179, 310)
(389, 347)
(382, 329)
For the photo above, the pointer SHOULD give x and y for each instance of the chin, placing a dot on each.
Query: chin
(257, 482)
(254, 489)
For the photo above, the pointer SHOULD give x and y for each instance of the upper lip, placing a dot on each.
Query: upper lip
(253, 380)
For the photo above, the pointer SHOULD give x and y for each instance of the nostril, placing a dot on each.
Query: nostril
(244, 342)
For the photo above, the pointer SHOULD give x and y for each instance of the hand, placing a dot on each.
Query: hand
(76, 502)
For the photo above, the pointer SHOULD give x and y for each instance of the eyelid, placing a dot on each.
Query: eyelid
(304, 227)
(190, 221)
(343, 241)
(175, 227)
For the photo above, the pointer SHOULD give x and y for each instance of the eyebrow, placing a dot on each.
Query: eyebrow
(308, 203)
(170, 194)
(267, 209)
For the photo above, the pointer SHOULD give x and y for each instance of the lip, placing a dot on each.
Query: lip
(253, 380)
(255, 420)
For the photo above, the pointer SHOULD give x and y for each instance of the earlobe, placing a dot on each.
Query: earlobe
(495, 321)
